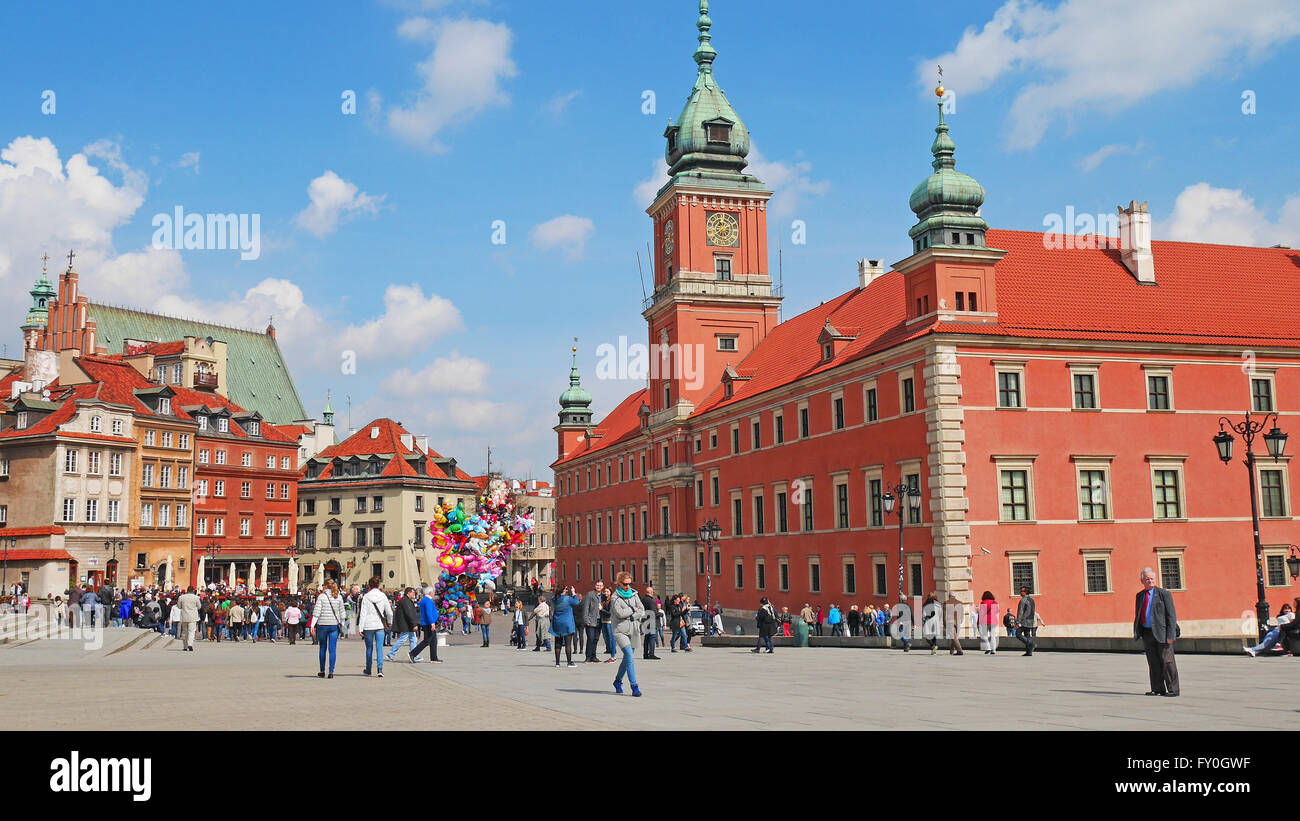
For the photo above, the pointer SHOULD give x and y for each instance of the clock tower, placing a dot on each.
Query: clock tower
(713, 299)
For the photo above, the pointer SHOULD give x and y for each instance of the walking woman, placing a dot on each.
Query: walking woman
(520, 628)
(932, 622)
(484, 618)
(562, 625)
(626, 612)
(327, 616)
(374, 615)
(766, 618)
(988, 621)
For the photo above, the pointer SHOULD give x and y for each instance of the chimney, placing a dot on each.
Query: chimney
(408, 441)
(422, 442)
(868, 269)
(40, 365)
(1135, 241)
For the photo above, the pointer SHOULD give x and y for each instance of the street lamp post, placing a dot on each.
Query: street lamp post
(1293, 563)
(10, 542)
(113, 545)
(709, 533)
(893, 495)
(1275, 442)
(212, 549)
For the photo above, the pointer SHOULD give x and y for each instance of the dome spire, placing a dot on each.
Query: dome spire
(946, 203)
(705, 53)
(575, 403)
(42, 294)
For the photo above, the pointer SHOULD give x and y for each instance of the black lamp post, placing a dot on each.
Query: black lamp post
(894, 493)
(709, 533)
(1275, 442)
(9, 543)
(212, 549)
(113, 545)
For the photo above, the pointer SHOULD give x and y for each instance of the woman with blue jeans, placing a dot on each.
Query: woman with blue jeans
(1284, 617)
(626, 613)
(372, 611)
(326, 617)
(562, 624)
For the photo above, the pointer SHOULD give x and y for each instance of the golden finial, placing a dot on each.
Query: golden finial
(939, 90)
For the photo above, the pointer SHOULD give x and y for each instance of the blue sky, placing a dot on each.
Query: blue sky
(376, 228)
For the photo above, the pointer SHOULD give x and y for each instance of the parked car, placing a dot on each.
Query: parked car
(696, 621)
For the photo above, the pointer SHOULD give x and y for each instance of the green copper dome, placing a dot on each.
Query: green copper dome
(43, 294)
(708, 140)
(575, 403)
(947, 202)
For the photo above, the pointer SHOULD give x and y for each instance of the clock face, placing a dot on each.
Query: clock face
(722, 229)
(668, 237)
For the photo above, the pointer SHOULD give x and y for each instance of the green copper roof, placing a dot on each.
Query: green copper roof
(575, 400)
(946, 198)
(690, 154)
(41, 293)
(256, 373)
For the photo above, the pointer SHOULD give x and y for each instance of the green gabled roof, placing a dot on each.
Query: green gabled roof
(256, 373)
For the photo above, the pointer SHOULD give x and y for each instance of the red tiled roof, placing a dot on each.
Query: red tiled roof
(619, 426)
(294, 431)
(188, 397)
(39, 555)
(388, 441)
(32, 531)
(165, 348)
(7, 381)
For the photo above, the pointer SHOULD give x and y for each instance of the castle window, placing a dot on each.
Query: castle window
(956, 238)
(722, 265)
(970, 239)
(719, 133)
(970, 300)
(961, 301)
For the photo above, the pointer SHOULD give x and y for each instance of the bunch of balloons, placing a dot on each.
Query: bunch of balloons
(473, 547)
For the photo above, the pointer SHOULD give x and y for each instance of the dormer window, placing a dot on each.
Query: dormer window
(828, 351)
(726, 390)
(719, 132)
(254, 428)
(22, 420)
(165, 406)
(223, 425)
(203, 422)
(95, 424)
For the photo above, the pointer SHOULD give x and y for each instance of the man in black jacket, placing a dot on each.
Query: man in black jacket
(1156, 625)
(591, 618)
(651, 626)
(405, 619)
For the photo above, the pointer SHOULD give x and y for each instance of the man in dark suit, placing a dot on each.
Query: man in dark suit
(1156, 625)
(1026, 616)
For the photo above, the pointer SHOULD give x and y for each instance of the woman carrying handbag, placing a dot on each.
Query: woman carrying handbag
(327, 618)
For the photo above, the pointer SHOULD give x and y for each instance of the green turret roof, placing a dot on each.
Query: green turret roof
(42, 293)
(691, 155)
(575, 403)
(947, 198)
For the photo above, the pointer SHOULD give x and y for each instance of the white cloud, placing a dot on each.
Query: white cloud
(645, 190)
(446, 375)
(558, 104)
(190, 159)
(1090, 163)
(481, 414)
(1203, 213)
(461, 77)
(334, 199)
(1105, 54)
(48, 206)
(568, 233)
(409, 317)
(790, 182)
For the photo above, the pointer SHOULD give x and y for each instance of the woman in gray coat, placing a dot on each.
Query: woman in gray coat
(626, 613)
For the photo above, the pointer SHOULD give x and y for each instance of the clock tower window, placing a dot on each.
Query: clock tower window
(722, 265)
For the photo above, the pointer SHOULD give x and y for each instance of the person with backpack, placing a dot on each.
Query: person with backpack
(374, 618)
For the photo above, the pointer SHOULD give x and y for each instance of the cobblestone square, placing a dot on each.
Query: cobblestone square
(140, 680)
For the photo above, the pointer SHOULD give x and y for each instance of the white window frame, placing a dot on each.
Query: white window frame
(1023, 462)
(1092, 554)
(733, 338)
(1283, 551)
(1171, 553)
(904, 374)
(1102, 463)
(96, 424)
(1017, 368)
(1174, 463)
(867, 387)
(1283, 466)
(1166, 371)
(1094, 371)
(1265, 376)
(1015, 557)
(116, 426)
